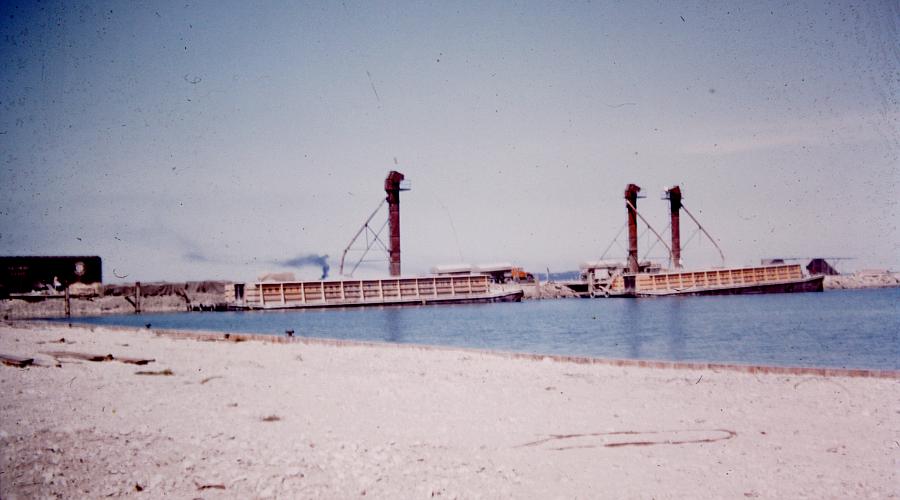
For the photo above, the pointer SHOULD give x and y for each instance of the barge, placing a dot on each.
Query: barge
(267, 295)
(729, 281)
(282, 291)
(644, 279)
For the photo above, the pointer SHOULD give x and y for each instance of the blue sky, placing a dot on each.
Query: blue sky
(216, 139)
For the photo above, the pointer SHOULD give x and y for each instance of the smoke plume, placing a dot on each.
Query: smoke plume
(309, 260)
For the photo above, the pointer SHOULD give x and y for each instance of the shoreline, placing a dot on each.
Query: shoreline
(279, 417)
(237, 336)
(242, 336)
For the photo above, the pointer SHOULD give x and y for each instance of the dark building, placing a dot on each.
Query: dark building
(25, 274)
(820, 266)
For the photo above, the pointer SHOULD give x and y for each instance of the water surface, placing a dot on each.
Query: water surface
(839, 329)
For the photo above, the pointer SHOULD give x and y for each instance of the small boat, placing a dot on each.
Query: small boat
(425, 290)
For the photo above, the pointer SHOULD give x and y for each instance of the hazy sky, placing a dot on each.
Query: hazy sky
(192, 140)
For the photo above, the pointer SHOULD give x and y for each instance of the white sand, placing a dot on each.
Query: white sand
(404, 422)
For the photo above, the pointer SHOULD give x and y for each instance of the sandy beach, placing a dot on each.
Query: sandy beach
(215, 418)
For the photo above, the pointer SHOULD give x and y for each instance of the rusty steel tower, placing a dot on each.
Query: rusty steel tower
(370, 232)
(631, 196)
(673, 194)
(393, 184)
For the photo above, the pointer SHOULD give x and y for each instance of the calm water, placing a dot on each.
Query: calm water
(844, 329)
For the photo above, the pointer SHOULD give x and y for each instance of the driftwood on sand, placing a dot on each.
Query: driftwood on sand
(97, 357)
(18, 361)
(166, 372)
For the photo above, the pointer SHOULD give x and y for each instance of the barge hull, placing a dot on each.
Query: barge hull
(505, 297)
(813, 284)
(362, 293)
(734, 281)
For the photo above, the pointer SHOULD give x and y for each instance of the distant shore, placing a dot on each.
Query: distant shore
(120, 299)
(862, 280)
(306, 418)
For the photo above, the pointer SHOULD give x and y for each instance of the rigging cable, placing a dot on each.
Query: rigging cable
(722, 255)
(613, 242)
